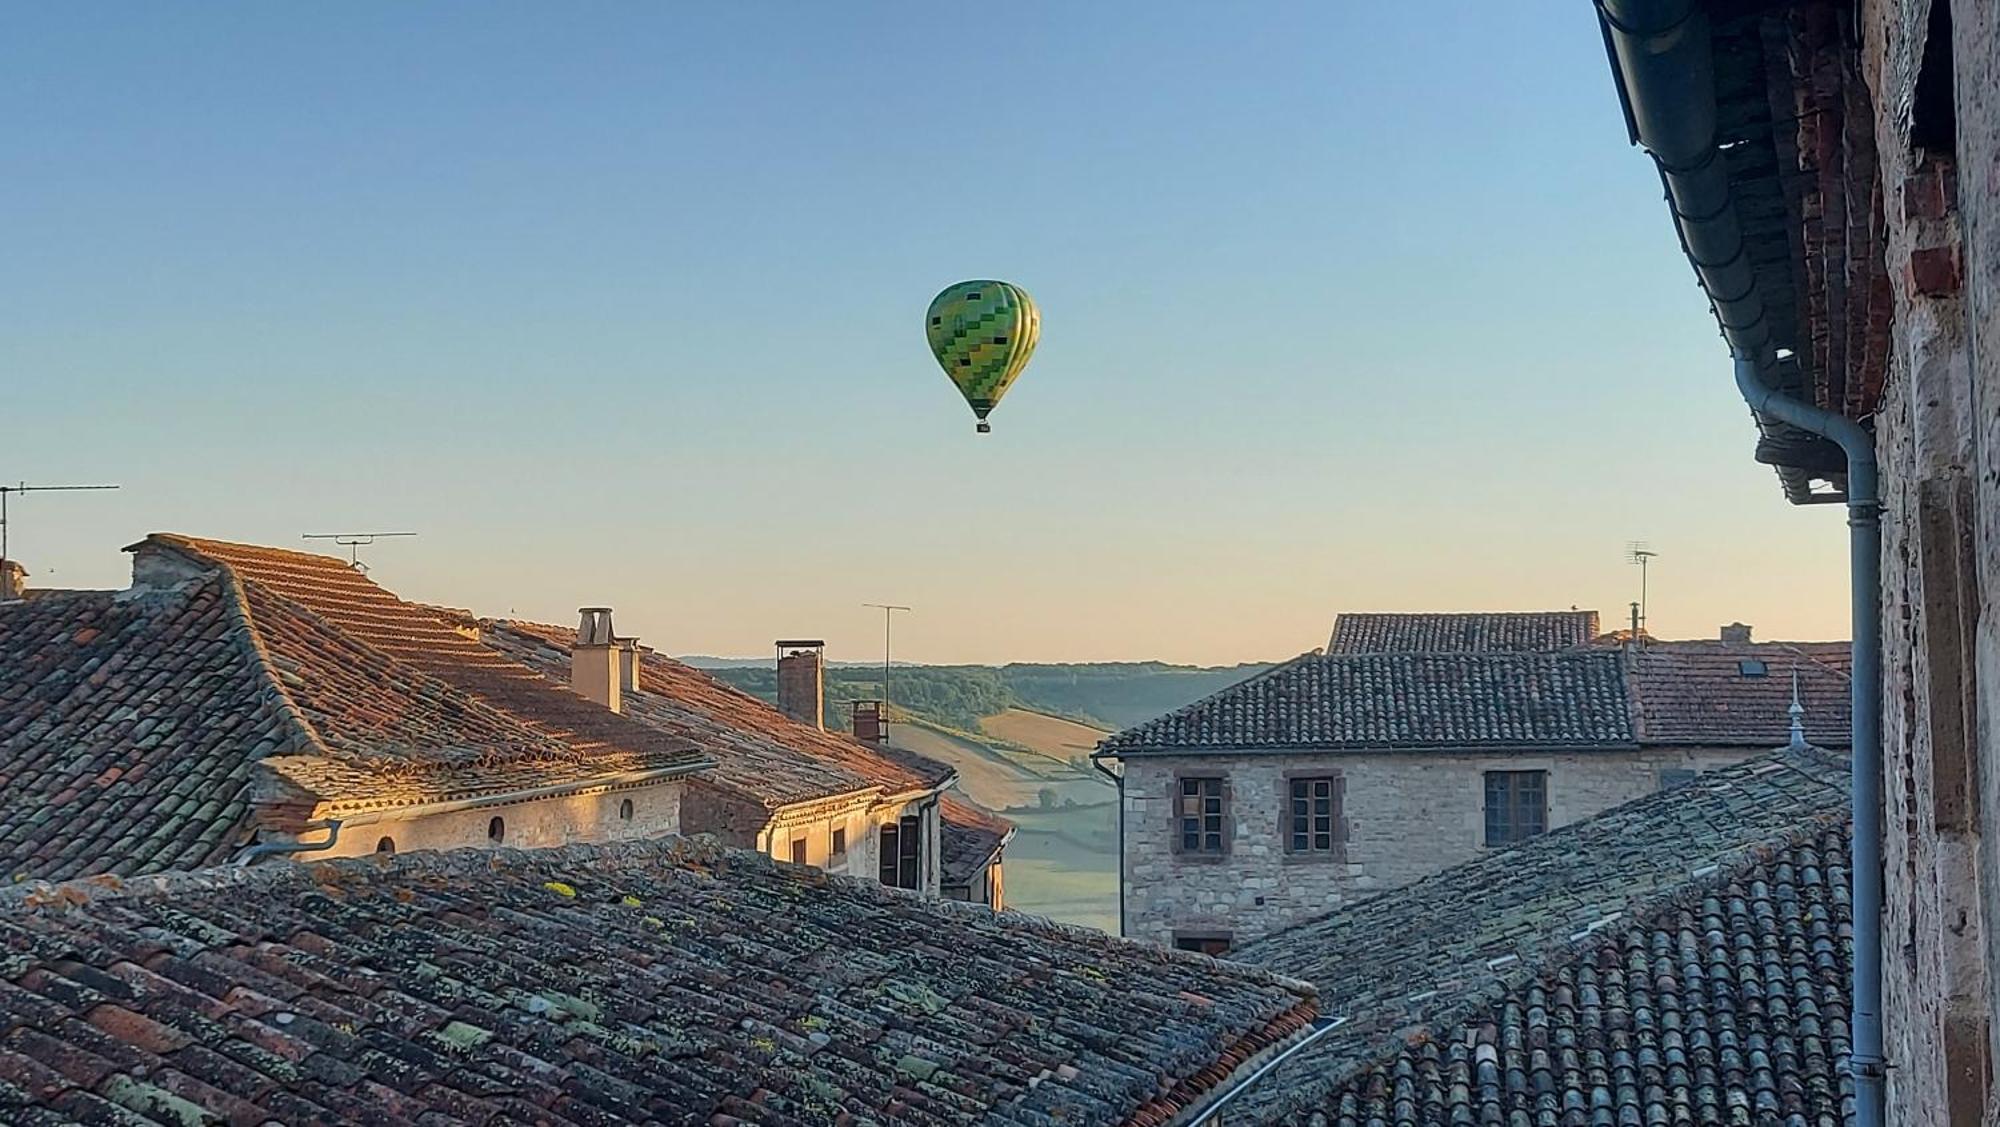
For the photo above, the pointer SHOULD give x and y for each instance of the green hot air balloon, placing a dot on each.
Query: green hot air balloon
(982, 334)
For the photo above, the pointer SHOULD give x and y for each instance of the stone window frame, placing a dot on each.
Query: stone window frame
(1342, 828)
(1548, 801)
(1201, 857)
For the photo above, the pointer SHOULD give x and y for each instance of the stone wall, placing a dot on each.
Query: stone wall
(542, 823)
(1405, 816)
(1931, 68)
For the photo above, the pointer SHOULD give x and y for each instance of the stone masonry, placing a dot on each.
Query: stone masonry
(1405, 816)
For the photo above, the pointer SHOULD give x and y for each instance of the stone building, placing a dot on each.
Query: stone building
(1340, 774)
(239, 700)
(1682, 959)
(1833, 171)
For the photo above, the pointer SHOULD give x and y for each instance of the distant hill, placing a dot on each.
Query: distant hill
(1104, 695)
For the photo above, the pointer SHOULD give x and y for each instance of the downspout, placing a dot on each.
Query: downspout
(1117, 778)
(255, 853)
(1864, 549)
(1662, 54)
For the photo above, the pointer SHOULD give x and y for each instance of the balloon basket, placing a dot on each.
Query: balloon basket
(984, 427)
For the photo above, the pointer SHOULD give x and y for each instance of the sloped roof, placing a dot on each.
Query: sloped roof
(1481, 632)
(1404, 700)
(969, 838)
(154, 728)
(660, 981)
(1682, 958)
(1700, 693)
(416, 639)
(758, 750)
(129, 728)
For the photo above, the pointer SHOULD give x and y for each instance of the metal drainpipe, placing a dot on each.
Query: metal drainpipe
(1118, 778)
(255, 853)
(1662, 53)
(1864, 549)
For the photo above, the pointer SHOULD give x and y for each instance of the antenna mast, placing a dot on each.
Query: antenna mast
(7, 491)
(888, 613)
(1641, 553)
(353, 542)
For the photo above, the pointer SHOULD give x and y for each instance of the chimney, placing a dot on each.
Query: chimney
(802, 681)
(628, 665)
(868, 722)
(1736, 632)
(593, 661)
(13, 580)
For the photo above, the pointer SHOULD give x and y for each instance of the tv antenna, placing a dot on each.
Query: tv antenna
(888, 614)
(1641, 553)
(7, 491)
(353, 542)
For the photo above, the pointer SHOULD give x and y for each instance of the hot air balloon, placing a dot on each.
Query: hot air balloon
(982, 334)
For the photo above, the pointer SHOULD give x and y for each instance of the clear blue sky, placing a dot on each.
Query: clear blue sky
(1344, 307)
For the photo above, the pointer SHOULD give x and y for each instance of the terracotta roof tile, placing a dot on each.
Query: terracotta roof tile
(970, 837)
(645, 981)
(1738, 693)
(1521, 632)
(129, 728)
(420, 640)
(1405, 700)
(758, 749)
(1682, 958)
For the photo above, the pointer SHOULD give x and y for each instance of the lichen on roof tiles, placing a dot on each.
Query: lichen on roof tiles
(463, 985)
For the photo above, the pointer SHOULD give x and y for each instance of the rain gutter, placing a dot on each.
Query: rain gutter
(1662, 57)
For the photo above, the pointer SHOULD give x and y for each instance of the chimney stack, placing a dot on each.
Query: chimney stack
(1736, 632)
(628, 665)
(13, 580)
(593, 661)
(802, 681)
(870, 727)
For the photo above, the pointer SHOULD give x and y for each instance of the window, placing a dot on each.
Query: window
(840, 842)
(1751, 667)
(798, 851)
(625, 811)
(496, 830)
(1215, 943)
(902, 853)
(386, 845)
(1517, 805)
(1315, 814)
(1674, 778)
(1202, 815)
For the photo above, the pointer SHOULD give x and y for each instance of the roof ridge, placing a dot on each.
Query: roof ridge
(236, 604)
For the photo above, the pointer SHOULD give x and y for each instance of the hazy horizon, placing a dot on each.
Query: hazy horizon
(1343, 308)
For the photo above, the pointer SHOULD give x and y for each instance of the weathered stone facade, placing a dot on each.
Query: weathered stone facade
(1405, 816)
(1932, 69)
(543, 823)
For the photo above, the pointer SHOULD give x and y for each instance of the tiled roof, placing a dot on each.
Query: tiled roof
(129, 727)
(667, 982)
(970, 838)
(149, 729)
(1698, 693)
(418, 640)
(1415, 700)
(1527, 632)
(1680, 959)
(758, 750)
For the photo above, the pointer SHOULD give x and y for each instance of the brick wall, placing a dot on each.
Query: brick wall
(1938, 439)
(1405, 816)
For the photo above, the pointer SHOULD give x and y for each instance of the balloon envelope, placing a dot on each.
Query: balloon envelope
(983, 333)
